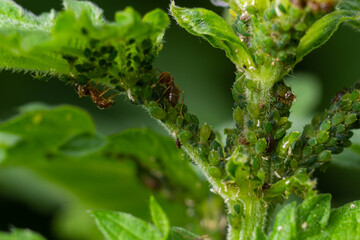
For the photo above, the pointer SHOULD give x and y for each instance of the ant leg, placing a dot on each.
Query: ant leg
(182, 104)
(167, 89)
(102, 94)
(112, 96)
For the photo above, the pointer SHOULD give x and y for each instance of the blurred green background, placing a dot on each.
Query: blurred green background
(206, 75)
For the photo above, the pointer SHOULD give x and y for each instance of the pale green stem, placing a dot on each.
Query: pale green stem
(255, 216)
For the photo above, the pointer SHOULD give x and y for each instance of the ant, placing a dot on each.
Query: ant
(96, 95)
(172, 91)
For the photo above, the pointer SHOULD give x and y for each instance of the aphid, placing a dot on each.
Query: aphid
(338, 96)
(172, 91)
(178, 143)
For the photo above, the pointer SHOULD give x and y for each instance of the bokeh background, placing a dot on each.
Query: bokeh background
(206, 75)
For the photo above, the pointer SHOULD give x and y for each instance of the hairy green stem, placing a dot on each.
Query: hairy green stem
(243, 226)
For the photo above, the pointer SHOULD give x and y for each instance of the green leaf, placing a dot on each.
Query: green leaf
(160, 20)
(213, 28)
(83, 144)
(285, 225)
(20, 234)
(159, 217)
(321, 31)
(312, 215)
(119, 226)
(60, 148)
(54, 43)
(177, 233)
(79, 7)
(344, 222)
(312, 220)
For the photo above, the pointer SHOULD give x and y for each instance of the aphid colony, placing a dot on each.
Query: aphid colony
(276, 32)
(126, 68)
(330, 133)
(259, 134)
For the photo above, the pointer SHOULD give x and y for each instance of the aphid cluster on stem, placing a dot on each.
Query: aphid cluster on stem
(330, 132)
(273, 35)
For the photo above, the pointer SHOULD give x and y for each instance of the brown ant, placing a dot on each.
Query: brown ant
(178, 143)
(172, 91)
(96, 95)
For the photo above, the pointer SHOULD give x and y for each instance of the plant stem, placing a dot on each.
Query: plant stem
(243, 226)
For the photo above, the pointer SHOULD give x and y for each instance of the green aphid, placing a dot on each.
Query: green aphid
(184, 136)
(85, 67)
(87, 52)
(215, 145)
(146, 44)
(251, 137)
(214, 172)
(238, 85)
(282, 121)
(241, 28)
(295, 12)
(268, 127)
(322, 136)
(350, 119)
(270, 14)
(282, 8)
(336, 149)
(345, 104)
(340, 128)
(260, 146)
(310, 160)
(137, 91)
(324, 156)
(214, 158)
(285, 25)
(347, 143)
(202, 151)
(251, 9)
(275, 26)
(338, 118)
(147, 92)
(275, 115)
(265, 28)
(268, 42)
(179, 121)
(284, 39)
(251, 85)
(239, 208)
(253, 109)
(307, 151)
(356, 107)
(259, 59)
(205, 132)
(354, 95)
(279, 133)
(300, 26)
(238, 115)
(255, 164)
(331, 142)
(156, 111)
(312, 141)
(325, 125)
(172, 115)
(317, 149)
(282, 56)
